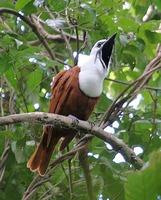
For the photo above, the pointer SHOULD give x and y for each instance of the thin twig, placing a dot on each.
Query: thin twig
(68, 45)
(135, 87)
(34, 28)
(126, 84)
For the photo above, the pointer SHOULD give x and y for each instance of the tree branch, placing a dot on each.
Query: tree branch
(130, 92)
(84, 162)
(34, 29)
(82, 126)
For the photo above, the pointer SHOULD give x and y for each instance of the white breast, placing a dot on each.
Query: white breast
(91, 77)
(90, 84)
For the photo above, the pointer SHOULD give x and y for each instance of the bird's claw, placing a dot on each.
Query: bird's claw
(92, 124)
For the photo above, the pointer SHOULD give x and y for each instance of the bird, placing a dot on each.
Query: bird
(74, 92)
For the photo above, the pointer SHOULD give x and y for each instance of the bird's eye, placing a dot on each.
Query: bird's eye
(99, 44)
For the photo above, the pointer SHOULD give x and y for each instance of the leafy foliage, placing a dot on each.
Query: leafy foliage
(28, 63)
(147, 179)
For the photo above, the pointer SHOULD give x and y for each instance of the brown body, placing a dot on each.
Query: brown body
(66, 99)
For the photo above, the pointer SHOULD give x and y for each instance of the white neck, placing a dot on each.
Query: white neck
(91, 76)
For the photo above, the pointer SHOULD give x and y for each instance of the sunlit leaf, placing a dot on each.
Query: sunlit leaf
(21, 4)
(6, 62)
(34, 80)
(27, 66)
(145, 184)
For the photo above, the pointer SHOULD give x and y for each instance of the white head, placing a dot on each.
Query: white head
(102, 50)
(94, 70)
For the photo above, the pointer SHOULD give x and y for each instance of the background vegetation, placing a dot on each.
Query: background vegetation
(38, 39)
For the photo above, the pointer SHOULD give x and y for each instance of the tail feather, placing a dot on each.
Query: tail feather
(41, 157)
(66, 140)
(35, 159)
(46, 156)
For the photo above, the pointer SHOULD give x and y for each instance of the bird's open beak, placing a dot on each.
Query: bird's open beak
(107, 49)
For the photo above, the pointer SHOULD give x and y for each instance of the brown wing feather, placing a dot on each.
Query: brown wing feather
(66, 99)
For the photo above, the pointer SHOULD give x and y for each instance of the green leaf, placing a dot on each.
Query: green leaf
(124, 24)
(34, 80)
(145, 184)
(152, 37)
(103, 104)
(5, 63)
(11, 77)
(19, 149)
(6, 4)
(29, 79)
(129, 59)
(8, 134)
(28, 52)
(57, 5)
(157, 3)
(29, 9)
(21, 4)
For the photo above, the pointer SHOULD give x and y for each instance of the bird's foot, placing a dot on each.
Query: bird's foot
(92, 124)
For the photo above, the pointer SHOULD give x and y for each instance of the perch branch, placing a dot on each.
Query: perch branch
(83, 127)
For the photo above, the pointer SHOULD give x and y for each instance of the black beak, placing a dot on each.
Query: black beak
(107, 49)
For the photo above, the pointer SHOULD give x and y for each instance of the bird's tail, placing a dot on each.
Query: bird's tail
(41, 157)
